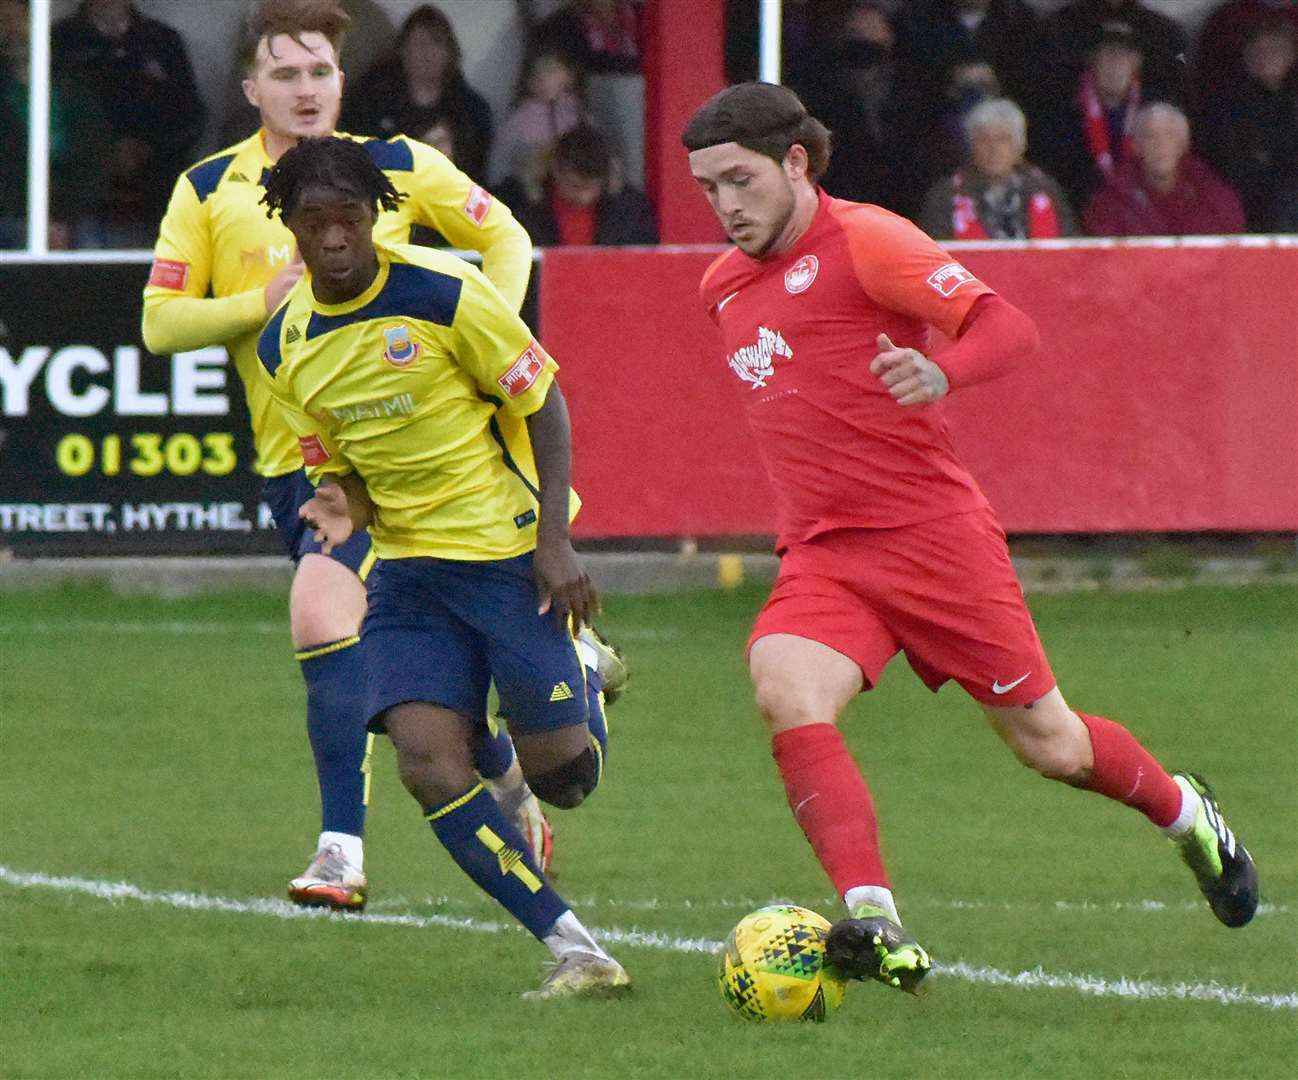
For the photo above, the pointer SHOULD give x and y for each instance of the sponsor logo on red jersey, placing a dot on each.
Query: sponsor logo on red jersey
(169, 274)
(478, 205)
(799, 276)
(523, 374)
(946, 279)
(756, 363)
(313, 449)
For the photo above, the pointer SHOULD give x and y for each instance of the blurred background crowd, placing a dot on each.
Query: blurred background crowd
(977, 118)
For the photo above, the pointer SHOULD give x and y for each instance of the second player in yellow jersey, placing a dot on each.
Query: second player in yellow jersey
(217, 239)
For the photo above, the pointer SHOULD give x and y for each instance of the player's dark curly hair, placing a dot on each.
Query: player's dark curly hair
(761, 117)
(328, 162)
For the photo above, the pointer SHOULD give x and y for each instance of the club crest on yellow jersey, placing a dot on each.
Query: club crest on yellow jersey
(402, 350)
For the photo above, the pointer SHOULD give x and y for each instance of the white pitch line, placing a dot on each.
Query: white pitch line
(749, 903)
(1092, 985)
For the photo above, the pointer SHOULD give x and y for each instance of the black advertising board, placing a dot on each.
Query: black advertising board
(106, 449)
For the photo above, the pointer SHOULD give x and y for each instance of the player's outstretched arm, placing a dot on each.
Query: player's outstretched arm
(564, 586)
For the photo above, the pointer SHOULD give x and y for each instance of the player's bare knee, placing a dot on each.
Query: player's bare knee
(567, 786)
(434, 760)
(430, 779)
(785, 706)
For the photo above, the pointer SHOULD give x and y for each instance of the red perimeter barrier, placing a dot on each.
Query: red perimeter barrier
(1165, 396)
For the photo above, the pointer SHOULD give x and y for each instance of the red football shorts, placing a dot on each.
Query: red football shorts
(944, 592)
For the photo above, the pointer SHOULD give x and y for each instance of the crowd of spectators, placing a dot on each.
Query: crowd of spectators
(986, 118)
(978, 118)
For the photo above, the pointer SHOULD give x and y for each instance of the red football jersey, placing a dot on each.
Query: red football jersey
(800, 330)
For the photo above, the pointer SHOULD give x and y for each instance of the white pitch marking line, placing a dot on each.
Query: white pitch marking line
(750, 903)
(1139, 989)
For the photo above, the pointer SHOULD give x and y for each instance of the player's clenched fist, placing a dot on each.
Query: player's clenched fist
(910, 376)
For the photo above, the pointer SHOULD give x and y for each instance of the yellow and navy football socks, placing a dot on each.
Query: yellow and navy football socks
(488, 848)
(335, 723)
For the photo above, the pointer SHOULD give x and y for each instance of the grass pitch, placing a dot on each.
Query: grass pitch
(160, 745)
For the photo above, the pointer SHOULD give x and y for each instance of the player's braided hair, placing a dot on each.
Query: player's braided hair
(328, 162)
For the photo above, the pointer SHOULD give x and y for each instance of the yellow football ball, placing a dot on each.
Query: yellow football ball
(773, 966)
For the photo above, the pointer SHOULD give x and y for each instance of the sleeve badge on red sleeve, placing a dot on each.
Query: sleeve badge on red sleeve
(478, 205)
(523, 374)
(947, 279)
(313, 449)
(169, 274)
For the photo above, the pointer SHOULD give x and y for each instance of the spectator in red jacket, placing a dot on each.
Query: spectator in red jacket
(1166, 190)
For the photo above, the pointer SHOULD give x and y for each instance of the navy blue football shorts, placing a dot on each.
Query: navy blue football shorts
(441, 630)
(284, 495)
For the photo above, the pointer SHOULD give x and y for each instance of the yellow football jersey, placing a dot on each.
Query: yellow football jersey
(217, 242)
(421, 385)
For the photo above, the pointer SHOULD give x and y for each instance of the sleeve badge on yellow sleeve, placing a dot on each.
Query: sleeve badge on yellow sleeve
(522, 375)
(313, 449)
(169, 274)
(478, 205)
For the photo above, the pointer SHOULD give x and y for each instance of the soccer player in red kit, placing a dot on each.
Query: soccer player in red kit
(887, 544)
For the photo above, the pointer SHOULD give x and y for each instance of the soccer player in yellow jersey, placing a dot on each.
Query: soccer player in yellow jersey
(424, 407)
(220, 268)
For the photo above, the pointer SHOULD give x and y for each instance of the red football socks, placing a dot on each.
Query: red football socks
(831, 803)
(1124, 770)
